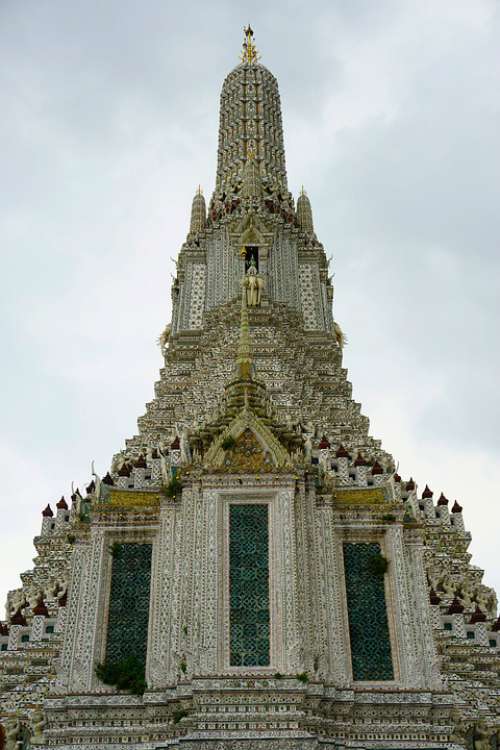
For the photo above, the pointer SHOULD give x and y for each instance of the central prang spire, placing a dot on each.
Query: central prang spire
(250, 123)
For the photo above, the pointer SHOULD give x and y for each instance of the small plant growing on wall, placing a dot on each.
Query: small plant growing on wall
(126, 674)
(179, 714)
(183, 666)
(303, 677)
(408, 517)
(116, 551)
(378, 565)
(389, 517)
(228, 443)
(172, 489)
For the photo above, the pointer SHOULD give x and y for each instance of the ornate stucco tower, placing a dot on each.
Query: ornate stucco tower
(251, 573)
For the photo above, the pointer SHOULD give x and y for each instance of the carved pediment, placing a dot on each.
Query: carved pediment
(251, 231)
(247, 446)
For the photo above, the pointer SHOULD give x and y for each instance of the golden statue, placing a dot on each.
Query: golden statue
(253, 284)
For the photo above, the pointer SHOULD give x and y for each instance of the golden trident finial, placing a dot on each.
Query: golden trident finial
(249, 54)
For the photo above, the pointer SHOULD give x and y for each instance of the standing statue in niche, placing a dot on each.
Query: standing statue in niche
(253, 284)
(308, 447)
(183, 434)
(164, 463)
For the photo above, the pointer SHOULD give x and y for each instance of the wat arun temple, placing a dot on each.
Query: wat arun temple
(251, 573)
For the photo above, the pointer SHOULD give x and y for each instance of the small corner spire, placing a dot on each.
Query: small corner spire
(304, 212)
(198, 213)
(249, 53)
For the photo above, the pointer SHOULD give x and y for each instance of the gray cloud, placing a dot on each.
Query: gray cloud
(109, 122)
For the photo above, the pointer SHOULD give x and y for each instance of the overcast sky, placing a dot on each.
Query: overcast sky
(109, 122)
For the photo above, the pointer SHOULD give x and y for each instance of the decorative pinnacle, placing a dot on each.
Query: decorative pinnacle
(249, 53)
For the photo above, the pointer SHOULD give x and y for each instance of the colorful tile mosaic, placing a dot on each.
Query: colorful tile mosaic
(368, 628)
(129, 602)
(249, 585)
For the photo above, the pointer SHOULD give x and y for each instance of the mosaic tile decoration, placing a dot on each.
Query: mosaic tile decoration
(249, 585)
(129, 602)
(368, 628)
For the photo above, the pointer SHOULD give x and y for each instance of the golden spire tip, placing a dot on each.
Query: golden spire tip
(249, 53)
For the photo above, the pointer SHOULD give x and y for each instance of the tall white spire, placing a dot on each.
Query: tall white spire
(250, 121)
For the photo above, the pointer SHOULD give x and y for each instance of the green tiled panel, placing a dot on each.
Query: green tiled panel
(249, 585)
(368, 628)
(129, 602)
